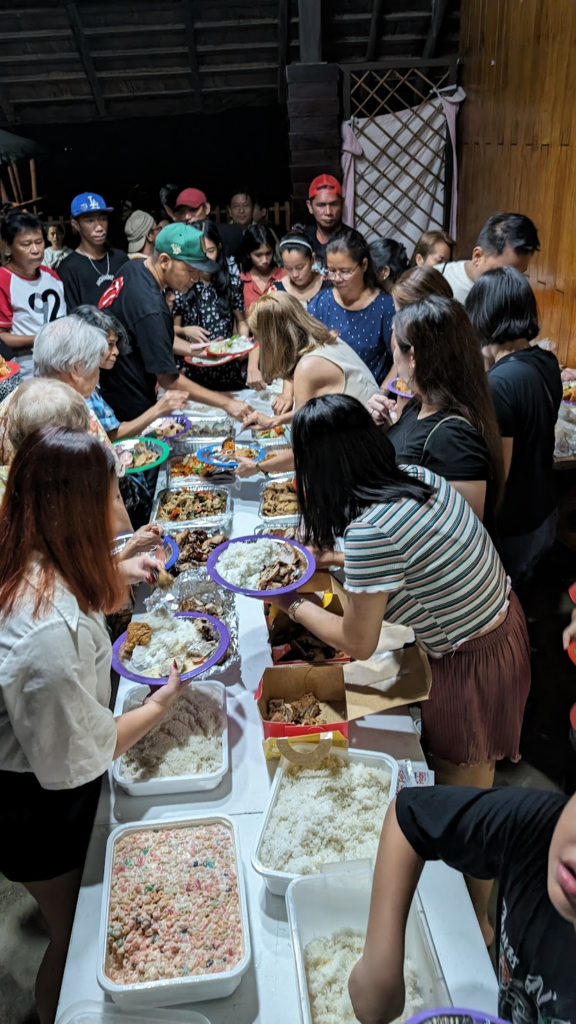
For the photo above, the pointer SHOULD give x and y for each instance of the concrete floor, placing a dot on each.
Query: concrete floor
(22, 945)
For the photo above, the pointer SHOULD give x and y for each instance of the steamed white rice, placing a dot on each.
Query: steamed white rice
(188, 740)
(242, 564)
(323, 815)
(172, 639)
(329, 960)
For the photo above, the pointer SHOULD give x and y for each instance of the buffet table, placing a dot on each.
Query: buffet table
(268, 992)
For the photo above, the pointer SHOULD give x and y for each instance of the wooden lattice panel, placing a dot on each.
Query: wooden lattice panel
(400, 106)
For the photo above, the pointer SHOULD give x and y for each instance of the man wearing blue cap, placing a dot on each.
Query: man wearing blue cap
(93, 266)
(136, 297)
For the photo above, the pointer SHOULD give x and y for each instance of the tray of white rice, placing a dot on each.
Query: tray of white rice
(325, 814)
(187, 752)
(328, 917)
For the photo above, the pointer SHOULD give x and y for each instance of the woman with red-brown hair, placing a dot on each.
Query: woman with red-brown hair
(57, 736)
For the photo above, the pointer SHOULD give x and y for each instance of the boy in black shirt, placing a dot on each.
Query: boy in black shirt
(526, 839)
(94, 264)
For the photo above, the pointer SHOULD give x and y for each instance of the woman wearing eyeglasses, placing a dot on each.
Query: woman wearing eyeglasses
(356, 307)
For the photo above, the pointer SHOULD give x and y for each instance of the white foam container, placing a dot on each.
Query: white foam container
(88, 1012)
(278, 881)
(177, 783)
(322, 904)
(171, 991)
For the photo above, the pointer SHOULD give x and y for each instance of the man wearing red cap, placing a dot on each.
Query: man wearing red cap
(325, 205)
(192, 206)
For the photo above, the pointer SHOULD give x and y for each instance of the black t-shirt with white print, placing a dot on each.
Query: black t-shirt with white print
(85, 280)
(505, 833)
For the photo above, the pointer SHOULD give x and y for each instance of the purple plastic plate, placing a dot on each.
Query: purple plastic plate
(454, 1015)
(182, 421)
(122, 669)
(264, 595)
(401, 394)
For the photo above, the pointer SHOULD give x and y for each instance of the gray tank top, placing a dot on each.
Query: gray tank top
(359, 381)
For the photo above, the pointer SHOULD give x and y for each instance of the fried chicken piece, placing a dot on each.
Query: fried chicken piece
(164, 580)
(138, 634)
(278, 711)
(306, 707)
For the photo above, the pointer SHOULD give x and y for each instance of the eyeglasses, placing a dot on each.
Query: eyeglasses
(332, 275)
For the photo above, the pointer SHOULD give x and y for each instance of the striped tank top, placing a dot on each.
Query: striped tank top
(436, 560)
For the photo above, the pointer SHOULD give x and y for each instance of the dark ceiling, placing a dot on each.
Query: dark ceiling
(76, 60)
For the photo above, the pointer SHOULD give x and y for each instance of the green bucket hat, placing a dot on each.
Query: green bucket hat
(184, 242)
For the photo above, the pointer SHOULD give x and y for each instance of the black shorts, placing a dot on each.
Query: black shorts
(44, 832)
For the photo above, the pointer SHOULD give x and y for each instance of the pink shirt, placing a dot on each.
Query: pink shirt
(252, 290)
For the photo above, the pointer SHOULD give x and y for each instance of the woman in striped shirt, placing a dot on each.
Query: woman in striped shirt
(415, 553)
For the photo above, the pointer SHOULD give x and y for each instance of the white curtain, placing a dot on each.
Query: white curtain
(397, 182)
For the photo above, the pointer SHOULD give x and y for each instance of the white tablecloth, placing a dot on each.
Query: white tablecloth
(268, 993)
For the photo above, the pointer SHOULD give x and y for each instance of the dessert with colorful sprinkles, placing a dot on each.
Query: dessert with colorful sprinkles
(174, 904)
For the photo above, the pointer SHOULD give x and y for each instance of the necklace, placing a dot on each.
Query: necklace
(102, 277)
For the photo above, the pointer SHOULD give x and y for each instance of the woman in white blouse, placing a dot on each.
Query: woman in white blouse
(57, 735)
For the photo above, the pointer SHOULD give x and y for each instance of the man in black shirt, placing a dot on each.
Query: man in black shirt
(524, 838)
(325, 205)
(526, 388)
(94, 264)
(136, 298)
(192, 207)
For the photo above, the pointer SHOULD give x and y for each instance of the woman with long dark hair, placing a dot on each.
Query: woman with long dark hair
(526, 387)
(257, 259)
(57, 736)
(213, 309)
(414, 553)
(356, 307)
(390, 259)
(449, 426)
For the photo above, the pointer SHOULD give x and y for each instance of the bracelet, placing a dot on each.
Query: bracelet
(294, 608)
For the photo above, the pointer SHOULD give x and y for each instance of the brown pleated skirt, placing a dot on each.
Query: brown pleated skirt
(478, 695)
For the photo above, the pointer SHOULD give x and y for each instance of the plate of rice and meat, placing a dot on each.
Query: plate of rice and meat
(400, 388)
(168, 428)
(226, 455)
(146, 651)
(257, 566)
(138, 454)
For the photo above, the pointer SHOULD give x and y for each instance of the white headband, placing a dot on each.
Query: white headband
(295, 241)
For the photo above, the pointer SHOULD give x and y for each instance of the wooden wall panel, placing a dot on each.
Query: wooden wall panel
(518, 145)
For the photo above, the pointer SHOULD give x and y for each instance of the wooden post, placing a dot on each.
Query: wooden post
(3, 191)
(314, 112)
(33, 182)
(310, 30)
(18, 185)
(12, 183)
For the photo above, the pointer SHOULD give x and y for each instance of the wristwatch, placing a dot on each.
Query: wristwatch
(294, 608)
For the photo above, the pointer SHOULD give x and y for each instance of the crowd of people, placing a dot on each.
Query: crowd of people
(422, 413)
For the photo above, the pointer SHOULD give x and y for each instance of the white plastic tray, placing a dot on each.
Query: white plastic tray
(177, 783)
(323, 904)
(278, 881)
(88, 1012)
(171, 991)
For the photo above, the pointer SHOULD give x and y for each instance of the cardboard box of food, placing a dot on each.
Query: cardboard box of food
(291, 642)
(345, 692)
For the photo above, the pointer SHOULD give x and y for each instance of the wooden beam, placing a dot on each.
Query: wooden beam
(188, 14)
(438, 11)
(85, 56)
(310, 31)
(372, 47)
(283, 25)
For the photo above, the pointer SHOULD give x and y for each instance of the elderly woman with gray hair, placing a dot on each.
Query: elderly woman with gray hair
(117, 343)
